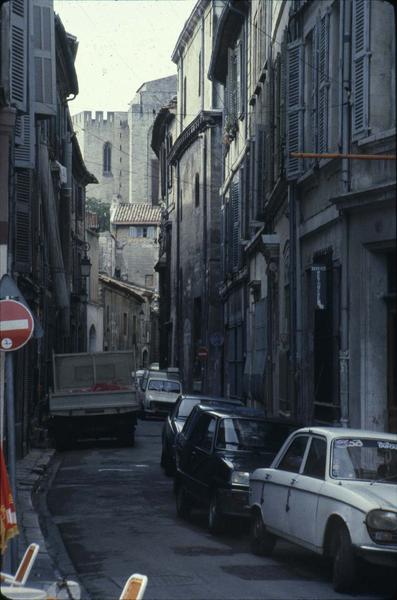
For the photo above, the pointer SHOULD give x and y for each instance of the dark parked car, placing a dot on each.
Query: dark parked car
(216, 451)
(176, 420)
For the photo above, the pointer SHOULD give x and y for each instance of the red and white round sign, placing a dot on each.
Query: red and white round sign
(16, 325)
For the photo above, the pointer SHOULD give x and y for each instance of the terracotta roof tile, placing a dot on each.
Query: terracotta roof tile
(133, 214)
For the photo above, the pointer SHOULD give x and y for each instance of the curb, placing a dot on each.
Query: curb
(34, 520)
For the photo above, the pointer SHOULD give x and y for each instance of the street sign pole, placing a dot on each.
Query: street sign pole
(16, 329)
(9, 376)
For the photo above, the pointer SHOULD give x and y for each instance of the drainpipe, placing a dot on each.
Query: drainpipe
(346, 15)
(292, 307)
(179, 341)
(206, 315)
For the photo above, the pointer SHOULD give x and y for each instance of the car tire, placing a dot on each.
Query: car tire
(216, 521)
(166, 464)
(262, 542)
(183, 505)
(344, 561)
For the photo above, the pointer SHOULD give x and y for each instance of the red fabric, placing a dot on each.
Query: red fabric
(9, 526)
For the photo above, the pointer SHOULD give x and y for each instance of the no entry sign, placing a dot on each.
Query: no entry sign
(16, 325)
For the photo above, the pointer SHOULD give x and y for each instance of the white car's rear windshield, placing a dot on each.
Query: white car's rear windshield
(164, 385)
(364, 459)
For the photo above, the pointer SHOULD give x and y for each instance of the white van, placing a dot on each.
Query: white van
(160, 395)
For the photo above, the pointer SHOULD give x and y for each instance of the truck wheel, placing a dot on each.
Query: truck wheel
(344, 561)
(62, 442)
(127, 438)
(262, 542)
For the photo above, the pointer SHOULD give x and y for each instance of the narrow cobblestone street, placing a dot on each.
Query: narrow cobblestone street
(115, 511)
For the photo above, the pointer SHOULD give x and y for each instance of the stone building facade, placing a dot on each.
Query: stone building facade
(104, 139)
(42, 209)
(130, 319)
(187, 138)
(135, 229)
(305, 245)
(143, 167)
(312, 240)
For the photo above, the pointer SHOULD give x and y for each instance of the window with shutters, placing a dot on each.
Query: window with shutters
(235, 225)
(44, 57)
(294, 102)
(23, 229)
(235, 89)
(18, 54)
(259, 171)
(24, 141)
(107, 158)
(311, 94)
(323, 83)
(360, 68)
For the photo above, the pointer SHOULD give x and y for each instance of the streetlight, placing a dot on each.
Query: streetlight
(85, 263)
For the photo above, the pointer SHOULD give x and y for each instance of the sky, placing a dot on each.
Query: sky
(122, 44)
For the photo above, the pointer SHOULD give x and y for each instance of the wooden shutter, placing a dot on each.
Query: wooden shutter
(294, 107)
(44, 57)
(18, 54)
(323, 83)
(235, 219)
(24, 141)
(314, 91)
(259, 191)
(283, 102)
(23, 229)
(232, 85)
(360, 67)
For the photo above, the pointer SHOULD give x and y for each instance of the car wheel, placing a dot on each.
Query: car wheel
(344, 561)
(166, 462)
(262, 542)
(215, 517)
(183, 506)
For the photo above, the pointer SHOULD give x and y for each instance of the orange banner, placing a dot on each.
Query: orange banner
(9, 526)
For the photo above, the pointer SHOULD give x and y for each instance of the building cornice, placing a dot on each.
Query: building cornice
(204, 120)
(362, 199)
(229, 26)
(233, 281)
(188, 29)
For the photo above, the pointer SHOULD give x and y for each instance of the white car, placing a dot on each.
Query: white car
(333, 491)
(160, 395)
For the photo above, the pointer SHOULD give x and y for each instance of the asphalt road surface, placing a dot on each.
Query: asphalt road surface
(115, 512)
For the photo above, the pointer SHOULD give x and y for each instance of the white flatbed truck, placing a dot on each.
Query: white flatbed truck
(93, 396)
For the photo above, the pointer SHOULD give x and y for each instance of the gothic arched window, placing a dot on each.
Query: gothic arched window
(107, 158)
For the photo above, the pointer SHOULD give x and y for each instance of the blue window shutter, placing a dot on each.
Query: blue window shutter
(25, 141)
(295, 107)
(314, 91)
(259, 169)
(23, 227)
(323, 83)
(360, 67)
(18, 54)
(235, 219)
(44, 57)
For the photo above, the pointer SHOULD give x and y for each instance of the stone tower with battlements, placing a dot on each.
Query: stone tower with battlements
(104, 141)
